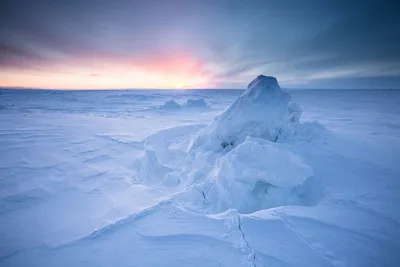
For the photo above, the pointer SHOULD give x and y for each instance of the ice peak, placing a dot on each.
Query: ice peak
(262, 111)
(263, 82)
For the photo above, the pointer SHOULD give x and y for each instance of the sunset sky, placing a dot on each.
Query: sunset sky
(99, 44)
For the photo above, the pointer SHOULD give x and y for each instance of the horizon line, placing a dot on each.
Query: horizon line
(113, 89)
(176, 89)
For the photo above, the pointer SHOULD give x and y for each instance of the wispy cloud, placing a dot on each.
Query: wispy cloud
(227, 42)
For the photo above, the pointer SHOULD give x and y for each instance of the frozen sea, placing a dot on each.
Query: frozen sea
(79, 170)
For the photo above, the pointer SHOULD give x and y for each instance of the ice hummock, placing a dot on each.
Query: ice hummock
(256, 172)
(170, 104)
(263, 111)
(196, 103)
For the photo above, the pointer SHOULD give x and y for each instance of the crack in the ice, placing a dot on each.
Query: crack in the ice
(203, 194)
(322, 253)
(252, 254)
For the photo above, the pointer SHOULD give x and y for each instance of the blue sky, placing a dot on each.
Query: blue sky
(199, 44)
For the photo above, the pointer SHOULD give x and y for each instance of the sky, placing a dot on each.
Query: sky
(113, 44)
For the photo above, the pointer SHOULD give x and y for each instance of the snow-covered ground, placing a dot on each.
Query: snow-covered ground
(130, 178)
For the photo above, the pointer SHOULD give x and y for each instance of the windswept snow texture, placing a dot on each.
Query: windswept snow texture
(107, 178)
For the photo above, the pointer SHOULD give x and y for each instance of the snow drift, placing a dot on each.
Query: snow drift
(263, 110)
(148, 169)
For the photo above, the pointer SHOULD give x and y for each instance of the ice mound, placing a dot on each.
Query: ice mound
(257, 174)
(171, 104)
(236, 161)
(196, 103)
(263, 110)
(240, 165)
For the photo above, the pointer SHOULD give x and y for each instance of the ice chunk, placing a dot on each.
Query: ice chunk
(171, 104)
(263, 110)
(196, 103)
(256, 174)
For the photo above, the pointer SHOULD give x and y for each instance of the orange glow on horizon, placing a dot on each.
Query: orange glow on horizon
(179, 85)
(168, 72)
